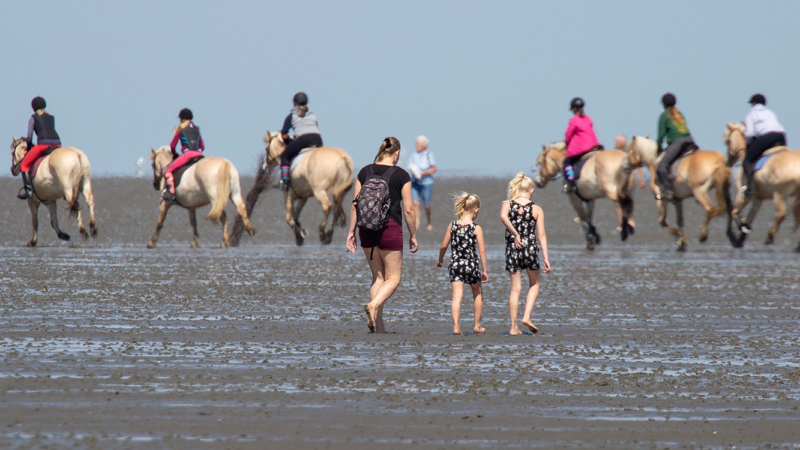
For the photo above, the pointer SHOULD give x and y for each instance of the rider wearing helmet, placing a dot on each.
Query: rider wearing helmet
(762, 132)
(580, 140)
(672, 127)
(306, 134)
(44, 125)
(192, 146)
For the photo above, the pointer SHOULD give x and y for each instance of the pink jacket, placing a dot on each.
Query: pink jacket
(580, 137)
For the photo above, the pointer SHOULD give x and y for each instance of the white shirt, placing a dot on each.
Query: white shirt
(760, 121)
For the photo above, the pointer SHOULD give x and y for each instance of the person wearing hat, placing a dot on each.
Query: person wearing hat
(44, 125)
(192, 146)
(306, 134)
(672, 127)
(580, 140)
(762, 132)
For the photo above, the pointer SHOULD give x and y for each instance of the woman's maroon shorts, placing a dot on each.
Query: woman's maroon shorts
(390, 238)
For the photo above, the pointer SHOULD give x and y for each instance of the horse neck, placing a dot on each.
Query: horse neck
(276, 148)
(646, 155)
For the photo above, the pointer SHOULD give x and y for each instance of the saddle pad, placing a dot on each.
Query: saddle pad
(579, 166)
(300, 155)
(763, 160)
(178, 174)
(35, 167)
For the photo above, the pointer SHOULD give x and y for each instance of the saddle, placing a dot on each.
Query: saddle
(673, 169)
(300, 155)
(587, 156)
(178, 173)
(46, 153)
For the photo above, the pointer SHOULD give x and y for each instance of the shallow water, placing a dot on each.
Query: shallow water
(107, 344)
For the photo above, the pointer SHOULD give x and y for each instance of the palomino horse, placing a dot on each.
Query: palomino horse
(211, 180)
(605, 174)
(65, 173)
(697, 174)
(322, 171)
(778, 179)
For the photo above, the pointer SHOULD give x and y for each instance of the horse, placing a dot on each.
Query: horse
(778, 179)
(604, 174)
(697, 174)
(323, 171)
(63, 174)
(211, 180)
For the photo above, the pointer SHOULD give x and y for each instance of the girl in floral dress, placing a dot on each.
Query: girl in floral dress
(463, 235)
(524, 222)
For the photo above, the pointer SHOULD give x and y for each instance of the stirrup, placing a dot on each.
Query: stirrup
(568, 189)
(284, 184)
(168, 196)
(24, 193)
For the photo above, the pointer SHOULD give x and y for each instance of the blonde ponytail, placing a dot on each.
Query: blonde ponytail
(389, 146)
(520, 183)
(675, 115)
(466, 203)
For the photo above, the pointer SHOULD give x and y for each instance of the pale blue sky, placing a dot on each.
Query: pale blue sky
(487, 82)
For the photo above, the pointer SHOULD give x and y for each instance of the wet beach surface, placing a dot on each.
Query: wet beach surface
(106, 344)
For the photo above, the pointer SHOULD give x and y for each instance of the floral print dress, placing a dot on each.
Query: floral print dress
(526, 258)
(464, 263)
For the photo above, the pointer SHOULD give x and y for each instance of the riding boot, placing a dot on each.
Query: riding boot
(748, 187)
(169, 189)
(569, 186)
(666, 190)
(27, 187)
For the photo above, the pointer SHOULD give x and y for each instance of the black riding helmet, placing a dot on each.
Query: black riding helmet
(576, 102)
(300, 99)
(758, 98)
(668, 100)
(186, 114)
(38, 103)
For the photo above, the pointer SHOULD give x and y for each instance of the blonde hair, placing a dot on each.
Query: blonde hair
(520, 183)
(465, 203)
(675, 115)
(389, 146)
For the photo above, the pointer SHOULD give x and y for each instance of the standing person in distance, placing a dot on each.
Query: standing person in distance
(422, 166)
(524, 222)
(580, 140)
(306, 134)
(463, 236)
(44, 125)
(672, 127)
(384, 248)
(762, 132)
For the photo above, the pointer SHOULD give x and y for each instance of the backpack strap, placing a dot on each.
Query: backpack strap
(388, 174)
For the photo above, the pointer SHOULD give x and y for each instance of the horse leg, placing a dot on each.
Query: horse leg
(33, 204)
(745, 226)
(626, 204)
(662, 220)
(325, 236)
(193, 222)
(682, 238)
(702, 197)
(163, 208)
(225, 237)
(780, 215)
(241, 209)
(590, 216)
(53, 209)
(86, 189)
(293, 207)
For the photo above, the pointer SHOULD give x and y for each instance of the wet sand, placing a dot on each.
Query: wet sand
(106, 344)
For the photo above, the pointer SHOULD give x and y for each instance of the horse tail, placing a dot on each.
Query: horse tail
(342, 184)
(796, 210)
(722, 186)
(223, 192)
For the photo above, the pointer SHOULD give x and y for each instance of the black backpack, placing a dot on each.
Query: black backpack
(373, 202)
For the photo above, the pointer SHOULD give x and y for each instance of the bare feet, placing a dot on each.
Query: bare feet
(457, 331)
(370, 322)
(514, 332)
(479, 329)
(530, 326)
(429, 227)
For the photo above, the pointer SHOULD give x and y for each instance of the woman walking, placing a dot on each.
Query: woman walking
(383, 247)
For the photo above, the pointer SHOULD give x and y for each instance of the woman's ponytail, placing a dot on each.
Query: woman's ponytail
(389, 146)
(520, 183)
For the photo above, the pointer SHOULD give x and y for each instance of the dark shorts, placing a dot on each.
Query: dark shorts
(390, 238)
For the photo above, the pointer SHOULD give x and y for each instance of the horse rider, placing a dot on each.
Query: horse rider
(306, 134)
(44, 125)
(192, 146)
(762, 132)
(580, 140)
(672, 127)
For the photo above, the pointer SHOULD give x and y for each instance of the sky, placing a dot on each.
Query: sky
(487, 82)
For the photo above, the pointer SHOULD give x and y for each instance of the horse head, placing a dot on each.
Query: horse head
(733, 136)
(19, 146)
(550, 162)
(275, 147)
(160, 159)
(641, 151)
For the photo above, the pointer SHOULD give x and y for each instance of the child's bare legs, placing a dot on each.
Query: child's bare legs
(513, 301)
(530, 300)
(477, 294)
(455, 308)
(387, 268)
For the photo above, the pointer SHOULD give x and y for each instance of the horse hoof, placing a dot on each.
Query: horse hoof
(703, 238)
(251, 231)
(33, 244)
(745, 228)
(84, 233)
(151, 244)
(63, 236)
(299, 241)
(94, 231)
(769, 241)
(681, 247)
(797, 249)
(303, 233)
(194, 244)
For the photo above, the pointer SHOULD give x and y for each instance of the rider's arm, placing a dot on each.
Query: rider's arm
(29, 136)
(749, 126)
(174, 143)
(202, 144)
(570, 130)
(287, 125)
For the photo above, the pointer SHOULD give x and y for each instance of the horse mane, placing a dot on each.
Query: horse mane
(558, 145)
(729, 127)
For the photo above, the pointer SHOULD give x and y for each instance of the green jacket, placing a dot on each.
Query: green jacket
(671, 129)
